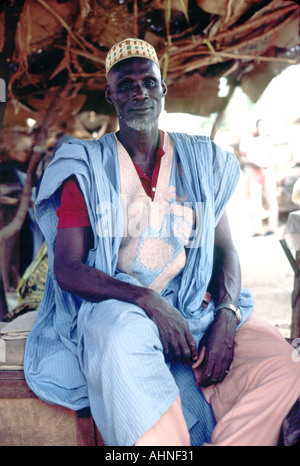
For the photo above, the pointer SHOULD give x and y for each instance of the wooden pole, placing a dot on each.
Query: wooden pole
(3, 303)
(36, 154)
(11, 12)
(221, 113)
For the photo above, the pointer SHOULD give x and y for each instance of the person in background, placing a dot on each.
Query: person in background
(257, 157)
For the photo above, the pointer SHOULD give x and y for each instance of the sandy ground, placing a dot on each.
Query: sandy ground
(265, 268)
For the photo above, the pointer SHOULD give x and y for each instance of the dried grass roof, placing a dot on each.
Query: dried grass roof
(59, 49)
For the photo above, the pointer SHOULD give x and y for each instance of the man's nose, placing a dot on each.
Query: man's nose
(140, 93)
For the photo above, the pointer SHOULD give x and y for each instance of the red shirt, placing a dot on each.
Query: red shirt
(73, 211)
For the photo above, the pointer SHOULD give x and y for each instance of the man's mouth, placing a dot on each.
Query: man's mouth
(141, 110)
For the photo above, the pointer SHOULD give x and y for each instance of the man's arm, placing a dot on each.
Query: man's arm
(225, 283)
(217, 345)
(74, 276)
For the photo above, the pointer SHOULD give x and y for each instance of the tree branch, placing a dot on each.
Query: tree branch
(37, 151)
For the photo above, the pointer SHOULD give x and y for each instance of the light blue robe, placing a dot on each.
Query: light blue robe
(55, 359)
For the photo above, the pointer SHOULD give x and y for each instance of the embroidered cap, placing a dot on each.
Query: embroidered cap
(130, 48)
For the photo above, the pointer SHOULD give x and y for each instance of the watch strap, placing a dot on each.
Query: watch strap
(232, 307)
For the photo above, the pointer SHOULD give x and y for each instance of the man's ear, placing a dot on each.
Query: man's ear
(164, 87)
(108, 96)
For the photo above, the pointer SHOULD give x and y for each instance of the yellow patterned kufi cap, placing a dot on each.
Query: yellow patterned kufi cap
(130, 48)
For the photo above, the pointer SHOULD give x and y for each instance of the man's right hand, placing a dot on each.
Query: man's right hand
(174, 331)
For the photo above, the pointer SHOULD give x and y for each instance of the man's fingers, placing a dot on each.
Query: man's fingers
(185, 353)
(209, 374)
(180, 350)
(189, 349)
(166, 349)
(192, 347)
(198, 362)
(176, 338)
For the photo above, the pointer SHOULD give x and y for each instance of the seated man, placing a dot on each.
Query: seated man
(143, 317)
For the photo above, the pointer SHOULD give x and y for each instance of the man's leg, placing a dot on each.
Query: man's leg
(170, 430)
(261, 387)
(133, 396)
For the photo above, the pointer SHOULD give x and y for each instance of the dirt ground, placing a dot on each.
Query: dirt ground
(265, 268)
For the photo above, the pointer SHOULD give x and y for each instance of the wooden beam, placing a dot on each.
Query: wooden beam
(221, 113)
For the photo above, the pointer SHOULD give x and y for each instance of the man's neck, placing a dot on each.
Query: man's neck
(140, 145)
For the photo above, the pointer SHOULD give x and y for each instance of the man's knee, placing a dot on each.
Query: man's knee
(119, 344)
(132, 332)
(120, 329)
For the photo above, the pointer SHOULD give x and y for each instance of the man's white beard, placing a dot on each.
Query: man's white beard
(141, 125)
(138, 124)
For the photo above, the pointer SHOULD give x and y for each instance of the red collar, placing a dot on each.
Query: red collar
(150, 185)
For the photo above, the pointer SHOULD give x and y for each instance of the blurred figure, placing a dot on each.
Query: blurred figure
(296, 192)
(257, 157)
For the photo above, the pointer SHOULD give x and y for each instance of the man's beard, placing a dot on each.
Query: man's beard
(140, 124)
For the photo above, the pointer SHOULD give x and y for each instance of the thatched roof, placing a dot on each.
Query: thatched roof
(52, 55)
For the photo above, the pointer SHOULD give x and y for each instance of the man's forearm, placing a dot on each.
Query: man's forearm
(94, 285)
(227, 277)
(225, 284)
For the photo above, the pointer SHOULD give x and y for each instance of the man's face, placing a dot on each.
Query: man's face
(136, 89)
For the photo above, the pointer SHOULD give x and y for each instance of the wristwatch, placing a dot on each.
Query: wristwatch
(234, 309)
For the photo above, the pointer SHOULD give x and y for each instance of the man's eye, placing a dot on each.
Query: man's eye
(150, 83)
(125, 85)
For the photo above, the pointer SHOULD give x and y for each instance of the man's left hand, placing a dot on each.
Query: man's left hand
(216, 349)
